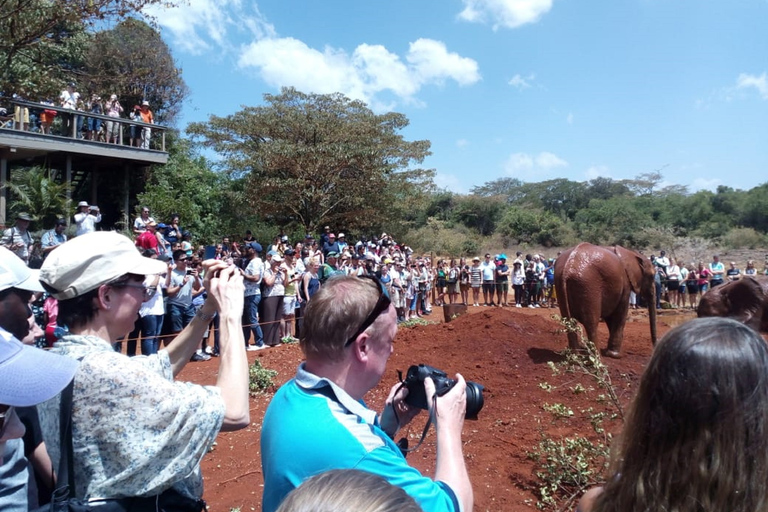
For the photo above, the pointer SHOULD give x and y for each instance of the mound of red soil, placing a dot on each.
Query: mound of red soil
(505, 350)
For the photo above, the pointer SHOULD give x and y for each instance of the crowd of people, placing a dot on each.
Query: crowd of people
(343, 300)
(681, 283)
(82, 122)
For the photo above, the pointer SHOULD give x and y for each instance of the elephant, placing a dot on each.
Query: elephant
(593, 283)
(745, 300)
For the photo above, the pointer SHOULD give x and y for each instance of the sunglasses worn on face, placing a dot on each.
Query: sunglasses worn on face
(381, 306)
(146, 292)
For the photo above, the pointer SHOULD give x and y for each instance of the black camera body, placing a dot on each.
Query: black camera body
(417, 395)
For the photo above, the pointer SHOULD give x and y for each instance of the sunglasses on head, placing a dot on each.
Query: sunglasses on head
(381, 306)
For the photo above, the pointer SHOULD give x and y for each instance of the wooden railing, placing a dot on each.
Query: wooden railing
(77, 121)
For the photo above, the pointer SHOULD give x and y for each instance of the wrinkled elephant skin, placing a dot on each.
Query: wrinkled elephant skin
(745, 300)
(593, 284)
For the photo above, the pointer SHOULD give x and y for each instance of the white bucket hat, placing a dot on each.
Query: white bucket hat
(15, 274)
(89, 261)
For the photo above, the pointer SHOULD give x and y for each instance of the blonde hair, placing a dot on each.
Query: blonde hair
(348, 490)
(335, 313)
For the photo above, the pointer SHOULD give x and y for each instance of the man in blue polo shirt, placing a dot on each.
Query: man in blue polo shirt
(348, 331)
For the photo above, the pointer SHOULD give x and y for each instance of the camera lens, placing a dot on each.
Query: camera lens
(475, 400)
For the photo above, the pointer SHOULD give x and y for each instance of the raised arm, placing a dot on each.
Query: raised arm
(449, 421)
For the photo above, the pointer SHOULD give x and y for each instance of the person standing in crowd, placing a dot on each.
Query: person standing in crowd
(86, 218)
(68, 99)
(673, 281)
(148, 118)
(692, 286)
(181, 284)
(95, 106)
(733, 273)
(476, 279)
(18, 239)
(464, 278)
(718, 271)
(114, 110)
(502, 281)
(453, 282)
(174, 423)
(518, 282)
(147, 239)
(28, 376)
(275, 277)
(133, 130)
(55, 237)
(140, 222)
(348, 336)
(488, 268)
(292, 279)
(173, 232)
(253, 273)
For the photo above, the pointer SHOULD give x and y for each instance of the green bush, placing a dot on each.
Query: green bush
(744, 238)
(260, 379)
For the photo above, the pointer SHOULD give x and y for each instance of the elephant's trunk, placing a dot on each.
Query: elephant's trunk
(652, 313)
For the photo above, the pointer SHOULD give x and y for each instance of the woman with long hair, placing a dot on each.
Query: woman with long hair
(696, 437)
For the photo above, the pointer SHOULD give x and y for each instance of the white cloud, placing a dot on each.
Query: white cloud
(462, 143)
(597, 171)
(705, 184)
(569, 118)
(544, 161)
(758, 82)
(432, 62)
(199, 26)
(521, 82)
(504, 13)
(370, 70)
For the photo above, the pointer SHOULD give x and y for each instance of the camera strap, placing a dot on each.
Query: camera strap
(403, 442)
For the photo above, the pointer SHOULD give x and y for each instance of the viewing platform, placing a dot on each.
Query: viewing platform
(79, 162)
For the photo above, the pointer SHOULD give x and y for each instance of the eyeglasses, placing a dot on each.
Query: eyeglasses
(146, 291)
(381, 306)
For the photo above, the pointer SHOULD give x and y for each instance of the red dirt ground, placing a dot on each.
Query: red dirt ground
(506, 350)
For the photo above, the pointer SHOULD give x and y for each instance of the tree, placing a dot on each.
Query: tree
(505, 187)
(132, 61)
(478, 213)
(35, 191)
(41, 41)
(314, 159)
(188, 186)
(531, 226)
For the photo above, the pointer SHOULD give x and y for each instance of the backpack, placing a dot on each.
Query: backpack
(452, 275)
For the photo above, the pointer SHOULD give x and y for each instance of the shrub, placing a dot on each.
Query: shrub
(567, 466)
(744, 238)
(260, 379)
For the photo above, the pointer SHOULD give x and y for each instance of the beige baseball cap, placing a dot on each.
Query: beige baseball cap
(89, 261)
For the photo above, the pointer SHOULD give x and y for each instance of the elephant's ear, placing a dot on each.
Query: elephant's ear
(635, 264)
(745, 299)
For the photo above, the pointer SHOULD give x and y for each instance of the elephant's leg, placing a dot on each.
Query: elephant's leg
(615, 324)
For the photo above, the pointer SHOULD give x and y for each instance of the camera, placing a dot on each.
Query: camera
(190, 271)
(417, 395)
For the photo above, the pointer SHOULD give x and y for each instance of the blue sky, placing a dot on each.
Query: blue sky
(530, 89)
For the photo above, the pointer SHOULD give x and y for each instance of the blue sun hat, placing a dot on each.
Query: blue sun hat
(30, 375)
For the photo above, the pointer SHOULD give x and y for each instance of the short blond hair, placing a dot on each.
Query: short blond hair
(334, 314)
(348, 490)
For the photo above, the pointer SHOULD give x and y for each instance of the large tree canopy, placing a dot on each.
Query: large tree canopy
(317, 158)
(132, 61)
(42, 42)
